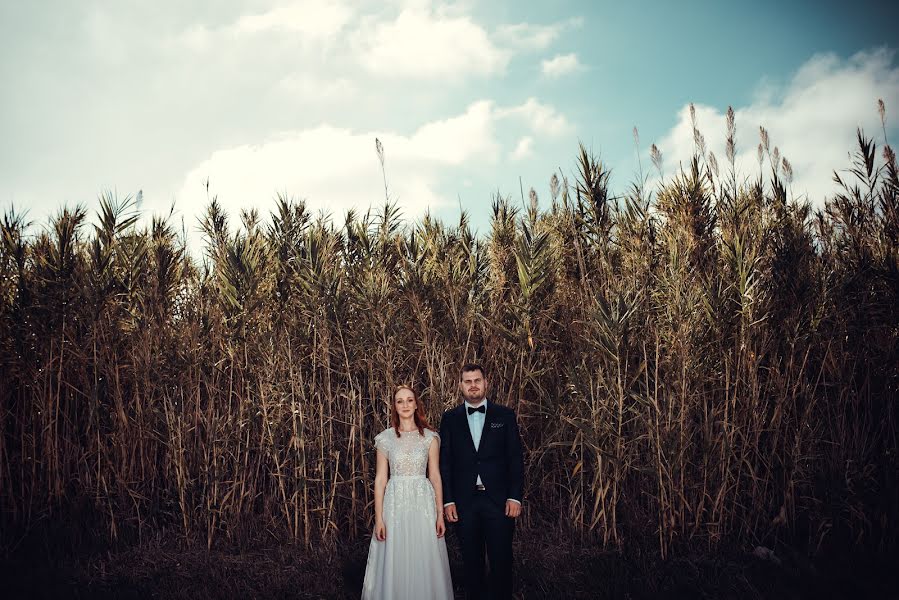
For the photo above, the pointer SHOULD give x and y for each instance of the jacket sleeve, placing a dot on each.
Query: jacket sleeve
(515, 460)
(446, 472)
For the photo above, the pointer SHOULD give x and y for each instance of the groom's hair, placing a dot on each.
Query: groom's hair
(469, 367)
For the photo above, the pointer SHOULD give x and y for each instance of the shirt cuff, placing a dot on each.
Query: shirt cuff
(518, 502)
(448, 504)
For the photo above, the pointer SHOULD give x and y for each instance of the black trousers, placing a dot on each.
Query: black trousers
(483, 525)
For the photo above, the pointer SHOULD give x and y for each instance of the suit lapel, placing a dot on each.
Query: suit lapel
(463, 416)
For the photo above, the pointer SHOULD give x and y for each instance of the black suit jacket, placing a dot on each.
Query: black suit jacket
(498, 458)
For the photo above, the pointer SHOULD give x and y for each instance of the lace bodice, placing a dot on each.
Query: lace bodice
(407, 454)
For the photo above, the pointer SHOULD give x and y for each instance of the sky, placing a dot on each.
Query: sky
(468, 98)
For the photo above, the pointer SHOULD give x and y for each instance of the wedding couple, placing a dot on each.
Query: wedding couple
(471, 473)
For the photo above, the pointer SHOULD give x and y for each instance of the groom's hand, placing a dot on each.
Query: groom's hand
(513, 509)
(450, 512)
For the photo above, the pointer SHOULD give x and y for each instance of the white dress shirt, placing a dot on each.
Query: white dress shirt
(476, 425)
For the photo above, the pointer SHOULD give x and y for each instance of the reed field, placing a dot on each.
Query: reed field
(701, 362)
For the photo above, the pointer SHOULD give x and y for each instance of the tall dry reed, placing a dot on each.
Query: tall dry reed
(708, 361)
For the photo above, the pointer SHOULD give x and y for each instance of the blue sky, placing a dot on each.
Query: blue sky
(288, 96)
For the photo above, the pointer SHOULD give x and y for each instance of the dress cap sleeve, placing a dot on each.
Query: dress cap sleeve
(382, 441)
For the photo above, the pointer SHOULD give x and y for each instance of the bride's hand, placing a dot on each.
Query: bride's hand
(441, 527)
(380, 531)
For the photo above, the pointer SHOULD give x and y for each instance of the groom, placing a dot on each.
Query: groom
(482, 471)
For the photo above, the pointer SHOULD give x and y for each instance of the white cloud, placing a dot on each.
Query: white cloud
(336, 169)
(454, 140)
(524, 149)
(531, 36)
(541, 118)
(561, 64)
(412, 39)
(428, 45)
(308, 18)
(307, 21)
(526, 35)
(446, 43)
(812, 120)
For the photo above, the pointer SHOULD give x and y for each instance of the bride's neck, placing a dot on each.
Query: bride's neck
(408, 425)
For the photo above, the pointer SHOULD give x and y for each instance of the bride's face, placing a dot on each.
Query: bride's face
(405, 403)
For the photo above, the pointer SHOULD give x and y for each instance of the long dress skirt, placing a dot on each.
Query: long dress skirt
(411, 563)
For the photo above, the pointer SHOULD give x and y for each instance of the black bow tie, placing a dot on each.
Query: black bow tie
(479, 409)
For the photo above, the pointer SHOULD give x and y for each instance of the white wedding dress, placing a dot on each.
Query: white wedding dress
(411, 563)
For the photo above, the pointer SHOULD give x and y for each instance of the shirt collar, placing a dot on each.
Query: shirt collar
(470, 405)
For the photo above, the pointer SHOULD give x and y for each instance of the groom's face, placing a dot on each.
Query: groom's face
(473, 386)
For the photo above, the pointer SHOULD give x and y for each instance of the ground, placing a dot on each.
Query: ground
(546, 568)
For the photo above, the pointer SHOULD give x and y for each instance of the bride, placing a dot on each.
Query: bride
(407, 557)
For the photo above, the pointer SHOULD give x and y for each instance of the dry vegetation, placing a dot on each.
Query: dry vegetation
(706, 363)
